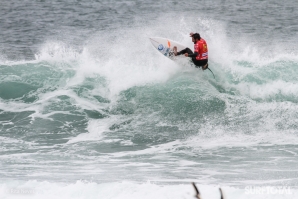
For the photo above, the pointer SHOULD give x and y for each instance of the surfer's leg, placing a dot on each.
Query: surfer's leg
(196, 63)
(186, 50)
(200, 63)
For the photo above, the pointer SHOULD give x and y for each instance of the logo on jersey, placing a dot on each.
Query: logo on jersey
(160, 47)
(204, 54)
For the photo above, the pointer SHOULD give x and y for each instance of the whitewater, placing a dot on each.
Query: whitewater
(89, 109)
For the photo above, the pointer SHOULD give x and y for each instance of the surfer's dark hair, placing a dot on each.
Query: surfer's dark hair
(196, 36)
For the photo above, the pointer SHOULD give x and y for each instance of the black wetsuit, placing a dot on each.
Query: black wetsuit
(198, 63)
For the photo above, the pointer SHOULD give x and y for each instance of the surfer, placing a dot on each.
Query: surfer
(200, 55)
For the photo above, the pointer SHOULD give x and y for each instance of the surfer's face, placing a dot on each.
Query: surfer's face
(194, 40)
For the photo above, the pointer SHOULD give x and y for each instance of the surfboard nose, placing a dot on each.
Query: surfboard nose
(152, 38)
(154, 41)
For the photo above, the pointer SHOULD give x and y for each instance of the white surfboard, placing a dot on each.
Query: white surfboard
(165, 46)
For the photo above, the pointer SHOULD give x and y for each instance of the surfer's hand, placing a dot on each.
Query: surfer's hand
(186, 54)
(190, 34)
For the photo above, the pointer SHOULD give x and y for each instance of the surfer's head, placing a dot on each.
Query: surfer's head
(195, 37)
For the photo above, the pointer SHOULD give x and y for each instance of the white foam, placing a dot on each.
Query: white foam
(126, 189)
(96, 130)
(56, 51)
(268, 90)
(159, 149)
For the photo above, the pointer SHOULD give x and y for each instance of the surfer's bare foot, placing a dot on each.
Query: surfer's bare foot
(175, 50)
(205, 67)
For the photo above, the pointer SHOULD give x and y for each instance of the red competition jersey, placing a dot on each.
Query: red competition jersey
(201, 49)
